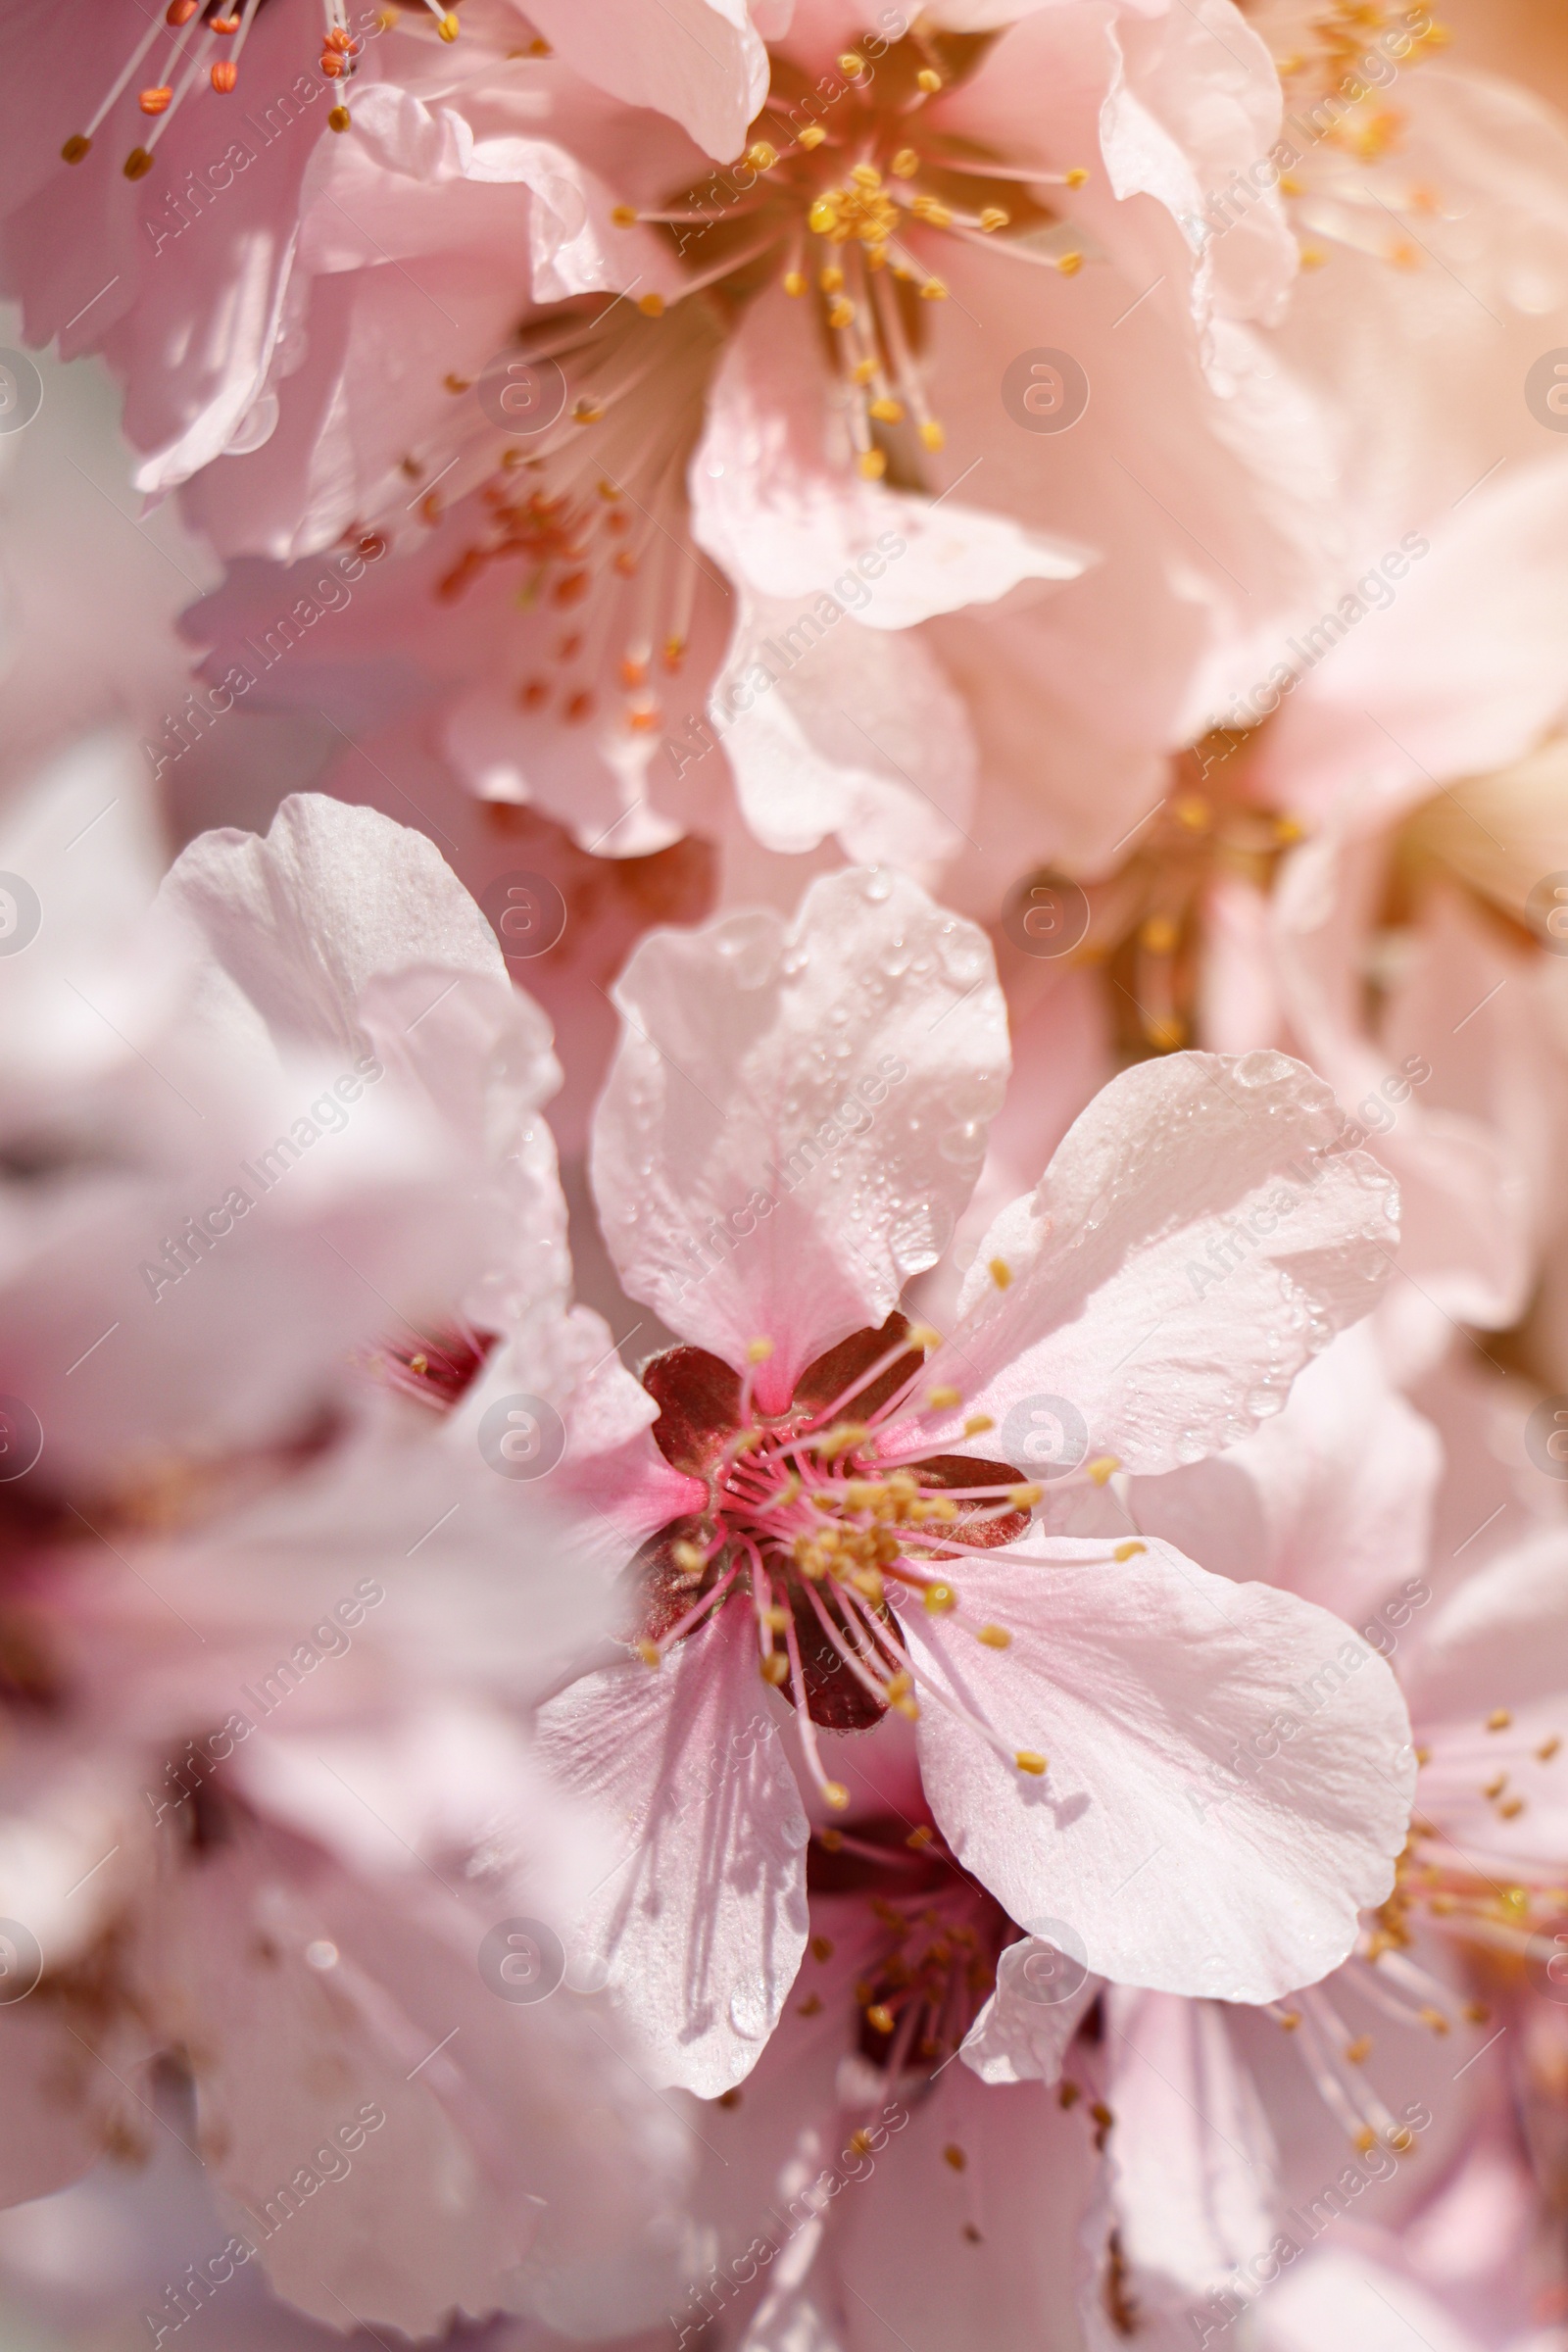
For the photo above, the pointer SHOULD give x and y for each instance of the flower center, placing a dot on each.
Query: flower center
(823, 1526)
(837, 200)
(1148, 922)
(1336, 60)
(931, 1965)
(850, 175)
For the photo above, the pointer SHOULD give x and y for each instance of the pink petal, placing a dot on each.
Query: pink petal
(796, 1116)
(702, 1924)
(1190, 1838)
(1197, 1238)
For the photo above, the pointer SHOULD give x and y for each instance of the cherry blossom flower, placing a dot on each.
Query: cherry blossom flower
(1335, 1500)
(637, 571)
(861, 2179)
(790, 1127)
(269, 1787)
(193, 1242)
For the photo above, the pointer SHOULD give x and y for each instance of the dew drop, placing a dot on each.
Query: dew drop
(749, 2010)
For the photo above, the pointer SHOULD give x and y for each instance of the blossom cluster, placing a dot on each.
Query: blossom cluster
(783, 1033)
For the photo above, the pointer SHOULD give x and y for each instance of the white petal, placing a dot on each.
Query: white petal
(1230, 1772)
(1189, 2185)
(702, 1924)
(297, 924)
(835, 728)
(1197, 1236)
(698, 59)
(796, 1116)
(790, 517)
(1018, 2036)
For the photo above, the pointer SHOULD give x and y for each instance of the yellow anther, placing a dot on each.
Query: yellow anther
(994, 218)
(1028, 1760)
(1493, 1789)
(823, 216)
(852, 64)
(793, 282)
(868, 1584)
(953, 2154)
(865, 176)
(860, 2143)
(1402, 2140)
(842, 312)
(931, 209)
(419, 1363)
(624, 215)
(835, 1793)
(940, 1399)
(1313, 256)
(1103, 1467)
(1514, 1806)
(1000, 1272)
(933, 290)
(775, 1619)
(861, 373)
(1499, 1720)
(775, 1668)
(922, 1336)
(1476, 2013)
(1547, 1749)
(1290, 2019)
(907, 1708)
(760, 156)
(1435, 2019)
(940, 1599)
(813, 136)
(1358, 2051)
(651, 305)
(977, 1423)
(689, 1556)
(906, 164)
(830, 1841)
(842, 1438)
(879, 2017)
(928, 81)
(649, 1652)
(932, 434)
(1024, 1498)
(1193, 813)
(1128, 1551)
(994, 1636)
(1159, 935)
(1069, 264)
(447, 27)
(1365, 2140)
(886, 410)
(1076, 176)
(758, 1352)
(831, 280)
